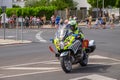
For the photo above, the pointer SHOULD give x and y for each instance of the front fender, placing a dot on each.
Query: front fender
(64, 54)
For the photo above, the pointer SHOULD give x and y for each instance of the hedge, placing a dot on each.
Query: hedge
(0, 11)
(30, 11)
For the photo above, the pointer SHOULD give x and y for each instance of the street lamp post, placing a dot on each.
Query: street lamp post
(4, 17)
(103, 7)
(97, 8)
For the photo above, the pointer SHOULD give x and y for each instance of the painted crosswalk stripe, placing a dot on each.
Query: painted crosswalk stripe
(93, 77)
(103, 57)
(32, 73)
(32, 68)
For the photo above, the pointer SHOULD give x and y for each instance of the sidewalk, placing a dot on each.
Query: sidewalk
(80, 24)
(47, 26)
(9, 41)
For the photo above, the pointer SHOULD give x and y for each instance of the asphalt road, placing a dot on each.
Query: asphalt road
(34, 61)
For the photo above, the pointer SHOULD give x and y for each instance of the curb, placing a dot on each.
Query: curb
(12, 42)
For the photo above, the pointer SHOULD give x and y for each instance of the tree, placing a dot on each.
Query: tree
(36, 3)
(118, 3)
(107, 3)
(60, 4)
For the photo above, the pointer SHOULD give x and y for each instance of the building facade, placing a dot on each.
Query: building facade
(20, 3)
(7, 3)
(82, 4)
(10, 3)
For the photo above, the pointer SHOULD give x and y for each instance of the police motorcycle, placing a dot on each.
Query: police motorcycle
(70, 49)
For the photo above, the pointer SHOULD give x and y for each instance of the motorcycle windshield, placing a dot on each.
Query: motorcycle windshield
(62, 32)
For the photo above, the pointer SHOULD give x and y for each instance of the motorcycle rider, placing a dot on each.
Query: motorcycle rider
(74, 28)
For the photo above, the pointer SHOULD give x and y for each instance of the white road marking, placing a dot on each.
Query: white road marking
(27, 64)
(53, 62)
(57, 62)
(25, 74)
(98, 57)
(38, 36)
(102, 63)
(1, 74)
(7, 36)
(10, 36)
(93, 77)
(32, 68)
(54, 69)
(102, 57)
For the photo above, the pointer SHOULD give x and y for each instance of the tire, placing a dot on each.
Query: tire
(84, 60)
(66, 64)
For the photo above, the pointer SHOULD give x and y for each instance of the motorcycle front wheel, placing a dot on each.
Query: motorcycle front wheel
(66, 64)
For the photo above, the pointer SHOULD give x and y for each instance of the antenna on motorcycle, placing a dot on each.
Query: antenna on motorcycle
(51, 49)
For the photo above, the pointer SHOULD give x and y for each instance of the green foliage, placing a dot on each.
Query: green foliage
(19, 11)
(70, 3)
(16, 6)
(36, 3)
(10, 11)
(118, 3)
(25, 11)
(107, 3)
(0, 11)
(28, 11)
(60, 4)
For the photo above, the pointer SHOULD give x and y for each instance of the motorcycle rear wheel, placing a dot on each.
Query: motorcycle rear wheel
(84, 60)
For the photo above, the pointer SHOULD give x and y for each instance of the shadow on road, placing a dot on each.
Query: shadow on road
(91, 68)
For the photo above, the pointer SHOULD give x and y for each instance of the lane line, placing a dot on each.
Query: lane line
(32, 68)
(33, 73)
(26, 74)
(93, 77)
(38, 36)
(102, 57)
(1, 74)
(27, 64)
(52, 61)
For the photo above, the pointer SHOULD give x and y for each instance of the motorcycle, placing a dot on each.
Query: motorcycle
(70, 48)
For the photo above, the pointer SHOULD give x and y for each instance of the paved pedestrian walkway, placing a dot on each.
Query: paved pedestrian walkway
(80, 24)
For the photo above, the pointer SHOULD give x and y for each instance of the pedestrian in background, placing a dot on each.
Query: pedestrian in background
(100, 21)
(43, 19)
(96, 25)
(53, 20)
(38, 22)
(87, 21)
(104, 22)
(27, 22)
(90, 22)
(2, 20)
(57, 20)
(112, 19)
